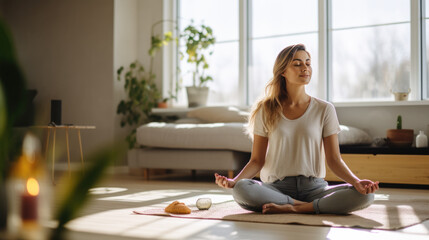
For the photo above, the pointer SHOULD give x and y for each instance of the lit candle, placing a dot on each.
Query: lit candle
(29, 201)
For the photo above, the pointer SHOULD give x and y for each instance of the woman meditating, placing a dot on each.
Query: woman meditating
(293, 133)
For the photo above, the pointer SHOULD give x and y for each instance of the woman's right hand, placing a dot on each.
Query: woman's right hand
(223, 181)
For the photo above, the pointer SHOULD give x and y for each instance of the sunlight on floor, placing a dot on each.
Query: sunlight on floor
(405, 209)
(146, 195)
(381, 197)
(106, 190)
(123, 223)
(359, 234)
(126, 198)
(343, 233)
(173, 229)
(383, 209)
(419, 229)
(160, 194)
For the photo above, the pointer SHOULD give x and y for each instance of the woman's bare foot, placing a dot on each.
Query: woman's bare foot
(275, 208)
(298, 207)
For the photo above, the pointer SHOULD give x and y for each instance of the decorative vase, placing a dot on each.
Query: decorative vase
(421, 140)
(400, 137)
(197, 96)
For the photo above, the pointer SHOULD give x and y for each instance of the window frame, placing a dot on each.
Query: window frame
(418, 58)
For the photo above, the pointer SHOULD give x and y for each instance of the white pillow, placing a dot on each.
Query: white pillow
(219, 114)
(353, 136)
(189, 120)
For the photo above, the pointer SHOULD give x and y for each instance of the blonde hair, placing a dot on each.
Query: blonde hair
(275, 91)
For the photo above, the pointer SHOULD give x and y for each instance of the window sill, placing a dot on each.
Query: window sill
(382, 104)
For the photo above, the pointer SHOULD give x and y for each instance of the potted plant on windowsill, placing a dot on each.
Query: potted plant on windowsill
(142, 93)
(400, 137)
(199, 41)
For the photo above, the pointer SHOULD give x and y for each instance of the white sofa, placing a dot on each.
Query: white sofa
(210, 138)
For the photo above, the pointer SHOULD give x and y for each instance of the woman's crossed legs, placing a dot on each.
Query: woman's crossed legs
(299, 195)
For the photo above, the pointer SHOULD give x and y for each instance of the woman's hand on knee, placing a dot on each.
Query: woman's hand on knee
(366, 186)
(223, 181)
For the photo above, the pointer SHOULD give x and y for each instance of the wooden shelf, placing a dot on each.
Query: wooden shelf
(387, 168)
(383, 150)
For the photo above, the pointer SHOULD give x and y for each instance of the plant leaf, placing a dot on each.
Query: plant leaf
(77, 194)
(119, 71)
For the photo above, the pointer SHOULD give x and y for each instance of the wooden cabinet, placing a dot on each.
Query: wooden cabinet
(387, 168)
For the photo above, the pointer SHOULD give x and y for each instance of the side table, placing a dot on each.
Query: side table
(66, 128)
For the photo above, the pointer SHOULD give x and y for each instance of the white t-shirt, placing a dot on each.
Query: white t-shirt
(295, 147)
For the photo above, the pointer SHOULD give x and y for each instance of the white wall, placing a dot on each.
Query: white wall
(376, 120)
(132, 36)
(125, 51)
(66, 52)
(71, 49)
(149, 12)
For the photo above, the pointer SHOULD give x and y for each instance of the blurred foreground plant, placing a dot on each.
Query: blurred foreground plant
(12, 99)
(76, 193)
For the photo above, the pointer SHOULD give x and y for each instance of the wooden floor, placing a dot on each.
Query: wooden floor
(109, 215)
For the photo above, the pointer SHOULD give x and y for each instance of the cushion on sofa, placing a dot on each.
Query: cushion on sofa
(219, 114)
(225, 136)
(353, 136)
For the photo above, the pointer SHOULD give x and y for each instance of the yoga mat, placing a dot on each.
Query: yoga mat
(389, 211)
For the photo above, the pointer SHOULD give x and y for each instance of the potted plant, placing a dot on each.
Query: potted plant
(12, 106)
(142, 92)
(171, 96)
(400, 137)
(199, 41)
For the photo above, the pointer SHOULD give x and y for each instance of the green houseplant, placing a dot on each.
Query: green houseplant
(400, 137)
(199, 41)
(142, 93)
(12, 105)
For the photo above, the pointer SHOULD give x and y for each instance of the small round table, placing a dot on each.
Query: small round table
(67, 128)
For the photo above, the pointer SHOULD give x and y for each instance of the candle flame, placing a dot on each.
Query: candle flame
(32, 187)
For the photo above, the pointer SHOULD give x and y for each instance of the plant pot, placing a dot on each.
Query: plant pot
(401, 96)
(197, 96)
(400, 137)
(162, 105)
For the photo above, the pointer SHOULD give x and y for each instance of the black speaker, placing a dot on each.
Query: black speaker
(56, 112)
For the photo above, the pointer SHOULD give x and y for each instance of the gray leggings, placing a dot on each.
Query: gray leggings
(338, 199)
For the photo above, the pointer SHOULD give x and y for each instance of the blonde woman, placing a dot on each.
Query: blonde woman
(293, 133)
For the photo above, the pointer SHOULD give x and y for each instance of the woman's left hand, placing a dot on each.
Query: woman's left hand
(366, 186)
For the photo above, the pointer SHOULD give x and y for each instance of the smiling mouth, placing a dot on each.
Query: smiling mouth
(304, 75)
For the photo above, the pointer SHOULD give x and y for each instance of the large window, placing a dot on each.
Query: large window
(362, 50)
(222, 17)
(273, 27)
(425, 85)
(370, 49)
